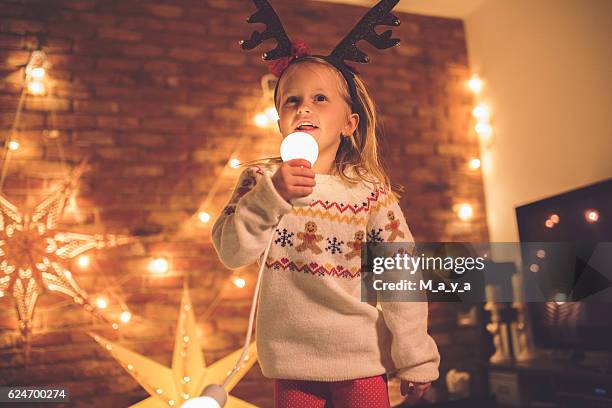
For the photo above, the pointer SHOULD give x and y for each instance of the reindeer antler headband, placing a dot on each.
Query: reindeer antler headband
(346, 50)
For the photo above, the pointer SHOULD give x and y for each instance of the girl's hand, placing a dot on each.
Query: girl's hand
(294, 179)
(413, 390)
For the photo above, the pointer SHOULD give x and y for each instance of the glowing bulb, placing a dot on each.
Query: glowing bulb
(555, 218)
(591, 216)
(234, 163)
(38, 73)
(475, 164)
(36, 87)
(299, 145)
(475, 84)
(130, 367)
(262, 120)
(125, 316)
(238, 282)
(83, 261)
(465, 212)
(549, 224)
(541, 253)
(483, 129)
(560, 298)
(159, 265)
(213, 396)
(115, 326)
(101, 302)
(204, 217)
(534, 268)
(271, 113)
(13, 145)
(481, 112)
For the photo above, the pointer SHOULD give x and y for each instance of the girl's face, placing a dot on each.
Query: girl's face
(310, 100)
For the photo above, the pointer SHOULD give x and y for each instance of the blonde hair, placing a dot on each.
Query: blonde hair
(357, 155)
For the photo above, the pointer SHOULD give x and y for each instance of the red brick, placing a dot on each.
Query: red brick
(47, 104)
(164, 11)
(188, 54)
(96, 107)
(142, 50)
(118, 64)
(119, 34)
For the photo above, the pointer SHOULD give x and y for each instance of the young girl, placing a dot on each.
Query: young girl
(315, 337)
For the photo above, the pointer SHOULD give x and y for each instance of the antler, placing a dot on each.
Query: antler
(364, 30)
(274, 29)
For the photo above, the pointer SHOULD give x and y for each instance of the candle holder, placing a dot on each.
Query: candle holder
(522, 343)
(499, 331)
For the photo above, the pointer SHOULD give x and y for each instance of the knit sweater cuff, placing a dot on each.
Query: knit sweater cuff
(424, 373)
(265, 198)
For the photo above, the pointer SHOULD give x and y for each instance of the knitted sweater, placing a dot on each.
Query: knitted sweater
(311, 323)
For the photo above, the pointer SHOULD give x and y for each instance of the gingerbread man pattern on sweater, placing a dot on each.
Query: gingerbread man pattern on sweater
(311, 321)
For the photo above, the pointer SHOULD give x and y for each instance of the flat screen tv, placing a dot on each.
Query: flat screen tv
(583, 215)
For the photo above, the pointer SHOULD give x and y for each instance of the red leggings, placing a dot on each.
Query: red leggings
(370, 392)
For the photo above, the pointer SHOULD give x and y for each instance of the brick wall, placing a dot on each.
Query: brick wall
(156, 94)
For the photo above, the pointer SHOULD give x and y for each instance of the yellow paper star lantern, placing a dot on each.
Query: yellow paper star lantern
(34, 255)
(189, 375)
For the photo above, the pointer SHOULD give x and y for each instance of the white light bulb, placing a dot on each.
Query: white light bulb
(213, 396)
(38, 73)
(474, 164)
(204, 217)
(481, 112)
(36, 88)
(13, 145)
(201, 402)
(475, 84)
(101, 302)
(238, 282)
(83, 261)
(234, 163)
(483, 129)
(465, 212)
(300, 145)
(272, 114)
(159, 265)
(125, 316)
(591, 216)
(262, 120)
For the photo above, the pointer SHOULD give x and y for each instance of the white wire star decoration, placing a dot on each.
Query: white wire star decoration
(34, 254)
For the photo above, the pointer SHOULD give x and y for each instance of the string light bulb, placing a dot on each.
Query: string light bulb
(239, 282)
(125, 316)
(102, 302)
(272, 114)
(204, 217)
(13, 145)
(159, 265)
(484, 130)
(38, 73)
(474, 164)
(261, 120)
(591, 216)
(465, 212)
(83, 261)
(475, 84)
(234, 163)
(481, 112)
(555, 218)
(36, 88)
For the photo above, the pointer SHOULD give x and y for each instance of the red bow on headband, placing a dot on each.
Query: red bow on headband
(299, 48)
